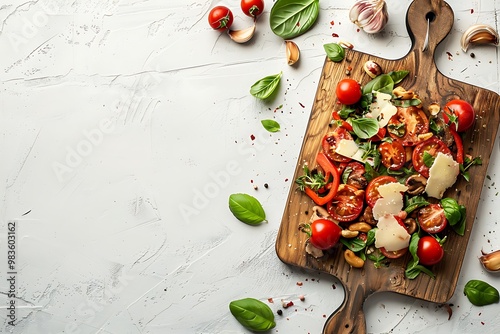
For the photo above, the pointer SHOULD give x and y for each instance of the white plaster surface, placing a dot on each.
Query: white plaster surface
(126, 124)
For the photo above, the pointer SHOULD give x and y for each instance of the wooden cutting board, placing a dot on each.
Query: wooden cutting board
(431, 86)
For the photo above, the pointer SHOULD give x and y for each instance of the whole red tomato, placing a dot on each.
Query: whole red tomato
(459, 114)
(220, 18)
(252, 8)
(429, 251)
(324, 233)
(348, 91)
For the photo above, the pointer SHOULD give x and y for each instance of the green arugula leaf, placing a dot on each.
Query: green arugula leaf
(247, 209)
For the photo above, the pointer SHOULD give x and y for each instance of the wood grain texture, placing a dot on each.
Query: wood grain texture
(431, 86)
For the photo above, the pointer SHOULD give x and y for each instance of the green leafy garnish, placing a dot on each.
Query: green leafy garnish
(383, 83)
(291, 18)
(428, 159)
(481, 293)
(398, 76)
(335, 52)
(413, 269)
(247, 209)
(468, 163)
(270, 125)
(314, 180)
(413, 203)
(253, 314)
(364, 127)
(265, 87)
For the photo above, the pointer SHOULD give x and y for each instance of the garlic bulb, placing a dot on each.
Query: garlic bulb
(369, 15)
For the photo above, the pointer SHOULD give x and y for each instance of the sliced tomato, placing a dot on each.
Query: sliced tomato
(393, 254)
(347, 204)
(343, 123)
(372, 194)
(330, 142)
(431, 218)
(379, 136)
(393, 155)
(432, 146)
(407, 125)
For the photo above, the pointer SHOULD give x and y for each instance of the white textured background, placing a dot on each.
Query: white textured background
(126, 124)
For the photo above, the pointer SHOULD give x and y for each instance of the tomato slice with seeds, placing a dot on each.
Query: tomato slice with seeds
(432, 146)
(372, 194)
(393, 254)
(393, 155)
(330, 142)
(347, 205)
(432, 219)
(407, 125)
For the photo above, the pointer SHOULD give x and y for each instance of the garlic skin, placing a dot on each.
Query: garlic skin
(292, 52)
(369, 15)
(243, 35)
(479, 34)
(491, 261)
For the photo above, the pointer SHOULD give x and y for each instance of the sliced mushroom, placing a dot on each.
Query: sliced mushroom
(368, 216)
(411, 225)
(416, 184)
(319, 213)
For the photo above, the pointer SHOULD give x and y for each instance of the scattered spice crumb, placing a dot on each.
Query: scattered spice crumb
(286, 180)
(280, 312)
(303, 106)
(300, 283)
(266, 185)
(450, 56)
(252, 137)
(324, 315)
(332, 22)
(473, 55)
(472, 10)
(255, 187)
(270, 300)
(302, 298)
(335, 35)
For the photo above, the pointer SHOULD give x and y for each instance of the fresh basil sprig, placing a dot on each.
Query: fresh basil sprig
(481, 293)
(291, 18)
(253, 314)
(264, 87)
(364, 128)
(270, 125)
(335, 52)
(383, 83)
(247, 209)
(398, 76)
(413, 269)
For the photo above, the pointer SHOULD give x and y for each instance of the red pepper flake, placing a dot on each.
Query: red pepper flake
(472, 10)
(287, 304)
(298, 24)
(270, 300)
(482, 323)
(358, 30)
(252, 137)
(300, 283)
(286, 180)
(324, 315)
(335, 35)
(303, 106)
(332, 22)
(450, 56)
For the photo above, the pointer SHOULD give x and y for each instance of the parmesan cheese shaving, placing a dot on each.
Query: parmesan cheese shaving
(382, 109)
(391, 201)
(442, 175)
(390, 234)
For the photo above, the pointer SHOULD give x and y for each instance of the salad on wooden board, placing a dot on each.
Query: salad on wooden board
(381, 173)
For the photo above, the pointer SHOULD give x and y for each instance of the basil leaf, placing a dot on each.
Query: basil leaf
(247, 209)
(383, 83)
(346, 111)
(398, 76)
(370, 236)
(263, 88)
(291, 18)
(428, 159)
(253, 314)
(353, 244)
(451, 210)
(481, 293)
(365, 128)
(459, 228)
(414, 203)
(270, 125)
(334, 52)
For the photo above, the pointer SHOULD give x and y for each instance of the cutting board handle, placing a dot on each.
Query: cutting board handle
(428, 23)
(349, 318)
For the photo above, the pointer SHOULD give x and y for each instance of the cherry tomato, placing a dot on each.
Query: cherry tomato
(252, 8)
(432, 146)
(330, 142)
(431, 218)
(407, 124)
(393, 155)
(429, 251)
(372, 194)
(459, 114)
(393, 254)
(220, 18)
(347, 204)
(348, 91)
(324, 233)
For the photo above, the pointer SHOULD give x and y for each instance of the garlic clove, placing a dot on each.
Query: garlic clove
(243, 35)
(491, 261)
(369, 15)
(479, 34)
(292, 52)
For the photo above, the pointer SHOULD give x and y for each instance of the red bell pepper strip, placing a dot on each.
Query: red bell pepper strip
(330, 171)
(460, 146)
(344, 124)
